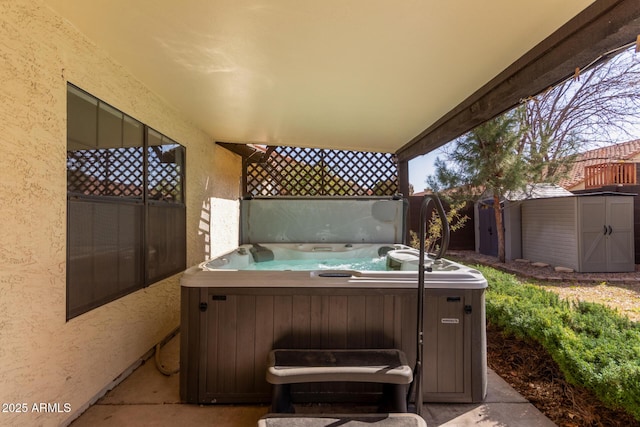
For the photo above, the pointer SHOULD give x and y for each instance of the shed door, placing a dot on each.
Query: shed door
(487, 231)
(592, 234)
(607, 234)
(621, 251)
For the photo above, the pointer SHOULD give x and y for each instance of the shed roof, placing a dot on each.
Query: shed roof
(538, 191)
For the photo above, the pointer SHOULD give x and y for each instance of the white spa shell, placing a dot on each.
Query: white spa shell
(231, 269)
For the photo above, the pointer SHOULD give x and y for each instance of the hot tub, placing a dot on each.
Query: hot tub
(328, 294)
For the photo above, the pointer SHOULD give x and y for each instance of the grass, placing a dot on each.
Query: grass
(594, 346)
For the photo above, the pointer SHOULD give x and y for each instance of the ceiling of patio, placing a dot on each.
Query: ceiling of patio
(349, 74)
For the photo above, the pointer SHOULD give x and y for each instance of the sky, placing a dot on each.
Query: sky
(420, 168)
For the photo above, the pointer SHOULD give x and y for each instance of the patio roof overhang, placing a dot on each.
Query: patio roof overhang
(601, 28)
(397, 77)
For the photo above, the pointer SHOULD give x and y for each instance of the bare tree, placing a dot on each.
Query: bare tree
(595, 107)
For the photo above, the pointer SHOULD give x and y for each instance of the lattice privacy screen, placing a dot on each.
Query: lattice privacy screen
(291, 171)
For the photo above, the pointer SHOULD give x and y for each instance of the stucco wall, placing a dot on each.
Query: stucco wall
(43, 358)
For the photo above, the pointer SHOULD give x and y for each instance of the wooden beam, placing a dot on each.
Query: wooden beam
(241, 149)
(600, 28)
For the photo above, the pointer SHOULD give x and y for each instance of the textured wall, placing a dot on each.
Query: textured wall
(43, 358)
(222, 226)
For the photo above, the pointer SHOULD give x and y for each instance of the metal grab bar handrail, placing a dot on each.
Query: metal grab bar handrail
(417, 373)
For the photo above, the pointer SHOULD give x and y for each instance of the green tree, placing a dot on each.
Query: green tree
(485, 160)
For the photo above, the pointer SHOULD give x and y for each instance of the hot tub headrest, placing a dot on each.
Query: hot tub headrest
(383, 250)
(261, 254)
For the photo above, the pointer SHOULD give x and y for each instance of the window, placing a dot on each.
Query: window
(125, 204)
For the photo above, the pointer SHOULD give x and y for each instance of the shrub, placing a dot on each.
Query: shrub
(595, 347)
(433, 233)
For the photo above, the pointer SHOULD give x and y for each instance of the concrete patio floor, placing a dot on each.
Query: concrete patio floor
(149, 398)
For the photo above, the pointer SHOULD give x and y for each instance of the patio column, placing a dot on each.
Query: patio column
(403, 177)
(403, 187)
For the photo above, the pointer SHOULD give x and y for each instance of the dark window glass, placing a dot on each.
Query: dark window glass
(165, 159)
(104, 253)
(166, 240)
(125, 224)
(82, 120)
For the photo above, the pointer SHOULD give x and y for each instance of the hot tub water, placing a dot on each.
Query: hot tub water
(295, 257)
(357, 264)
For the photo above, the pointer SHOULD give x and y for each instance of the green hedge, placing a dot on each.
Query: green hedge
(595, 347)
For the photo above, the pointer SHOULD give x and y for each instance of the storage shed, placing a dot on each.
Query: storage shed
(588, 232)
(485, 222)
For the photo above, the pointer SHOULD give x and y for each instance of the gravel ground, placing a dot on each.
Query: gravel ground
(620, 291)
